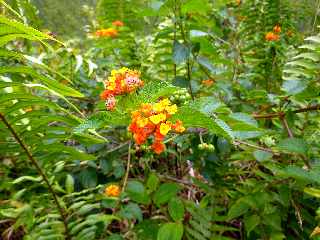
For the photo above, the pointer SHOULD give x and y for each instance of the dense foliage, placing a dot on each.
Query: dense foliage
(159, 119)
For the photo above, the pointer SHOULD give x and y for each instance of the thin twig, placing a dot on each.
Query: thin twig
(40, 171)
(238, 142)
(183, 182)
(125, 180)
(183, 34)
(279, 114)
(118, 147)
(286, 126)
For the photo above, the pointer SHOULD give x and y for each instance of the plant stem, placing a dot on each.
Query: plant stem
(279, 114)
(238, 142)
(40, 171)
(125, 180)
(286, 126)
(183, 34)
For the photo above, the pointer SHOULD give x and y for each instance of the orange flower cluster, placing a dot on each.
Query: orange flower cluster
(152, 119)
(273, 36)
(277, 29)
(118, 23)
(270, 36)
(112, 191)
(208, 82)
(120, 82)
(109, 32)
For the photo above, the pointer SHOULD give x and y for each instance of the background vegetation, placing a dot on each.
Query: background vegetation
(245, 77)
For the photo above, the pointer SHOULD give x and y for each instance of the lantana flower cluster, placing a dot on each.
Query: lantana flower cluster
(273, 36)
(110, 32)
(120, 82)
(152, 120)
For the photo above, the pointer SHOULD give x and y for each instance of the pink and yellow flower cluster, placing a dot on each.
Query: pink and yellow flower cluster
(152, 120)
(120, 82)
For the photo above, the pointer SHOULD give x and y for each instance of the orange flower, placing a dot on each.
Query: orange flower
(277, 29)
(112, 191)
(105, 94)
(178, 127)
(158, 136)
(270, 36)
(158, 147)
(152, 119)
(109, 32)
(118, 23)
(238, 2)
(140, 138)
(208, 82)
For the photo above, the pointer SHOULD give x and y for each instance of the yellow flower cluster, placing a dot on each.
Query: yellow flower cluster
(152, 119)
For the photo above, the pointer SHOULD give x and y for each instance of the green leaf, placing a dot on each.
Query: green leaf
(194, 118)
(180, 53)
(51, 83)
(165, 192)
(250, 223)
(8, 38)
(131, 211)
(237, 209)
(293, 145)
(137, 192)
(294, 86)
(197, 33)
(26, 29)
(103, 118)
(262, 156)
(147, 229)
(196, 6)
(313, 192)
(204, 62)
(88, 178)
(69, 184)
(27, 178)
(152, 182)
(170, 231)
(176, 209)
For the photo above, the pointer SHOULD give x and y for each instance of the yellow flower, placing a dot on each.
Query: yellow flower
(172, 109)
(111, 86)
(165, 128)
(123, 70)
(155, 119)
(158, 107)
(112, 190)
(111, 79)
(142, 121)
(114, 72)
(165, 102)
